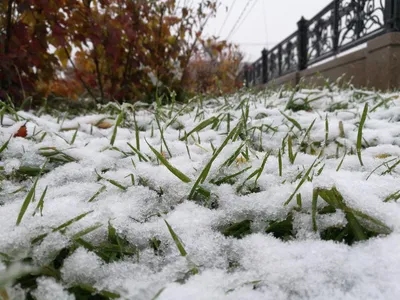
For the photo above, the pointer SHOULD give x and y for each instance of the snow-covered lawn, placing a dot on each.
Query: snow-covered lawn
(229, 198)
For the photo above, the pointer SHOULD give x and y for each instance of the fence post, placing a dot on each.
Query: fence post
(264, 55)
(392, 15)
(280, 59)
(336, 19)
(246, 75)
(302, 41)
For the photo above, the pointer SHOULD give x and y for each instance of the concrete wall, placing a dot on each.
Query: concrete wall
(377, 66)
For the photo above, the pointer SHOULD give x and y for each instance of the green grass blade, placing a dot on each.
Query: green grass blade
(308, 131)
(301, 182)
(72, 221)
(293, 121)
(117, 123)
(200, 126)
(158, 294)
(232, 158)
(171, 168)
(74, 136)
(85, 231)
(102, 189)
(359, 135)
(355, 227)
(292, 156)
(29, 197)
(162, 136)
(40, 205)
(178, 243)
(229, 177)
(314, 209)
(137, 151)
(5, 145)
(261, 169)
(204, 173)
(25, 204)
(341, 162)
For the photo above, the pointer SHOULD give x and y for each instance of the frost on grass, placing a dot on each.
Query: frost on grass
(256, 196)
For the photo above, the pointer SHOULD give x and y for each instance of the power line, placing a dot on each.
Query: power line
(244, 19)
(226, 18)
(239, 19)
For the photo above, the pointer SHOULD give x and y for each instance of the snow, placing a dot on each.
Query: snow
(257, 266)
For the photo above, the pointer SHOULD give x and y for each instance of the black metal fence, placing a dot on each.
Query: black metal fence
(340, 26)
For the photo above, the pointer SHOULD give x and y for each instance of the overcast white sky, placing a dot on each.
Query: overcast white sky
(263, 24)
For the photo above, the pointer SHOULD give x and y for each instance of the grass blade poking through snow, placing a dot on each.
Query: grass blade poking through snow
(62, 227)
(314, 209)
(166, 163)
(40, 205)
(179, 245)
(102, 189)
(74, 136)
(137, 151)
(5, 145)
(293, 121)
(341, 162)
(199, 127)
(206, 170)
(301, 182)
(117, 123)
(292, 156)
(359, 135)
(280, 162)
(113, 182)
(29, 197)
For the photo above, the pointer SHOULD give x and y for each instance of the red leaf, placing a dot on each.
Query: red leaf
(22, 132)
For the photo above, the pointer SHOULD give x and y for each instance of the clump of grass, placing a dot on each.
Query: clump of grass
(30, 197)
(204, 173)
(298, 104)
(282, 229)
(359, 226)
(56, 156)
(238, 230)
(394, 196)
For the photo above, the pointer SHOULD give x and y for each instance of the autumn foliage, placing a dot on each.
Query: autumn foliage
(111, 49)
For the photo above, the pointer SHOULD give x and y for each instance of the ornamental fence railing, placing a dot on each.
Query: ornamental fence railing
(340, 26)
